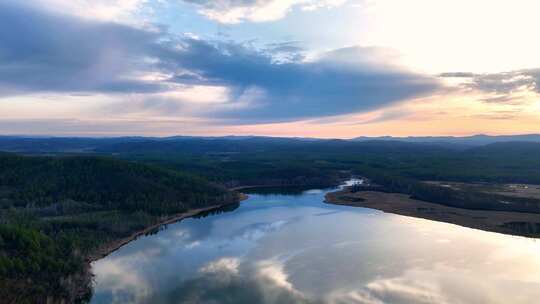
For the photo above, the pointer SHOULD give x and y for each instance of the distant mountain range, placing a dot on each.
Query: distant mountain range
(42, 144)
(474, 140)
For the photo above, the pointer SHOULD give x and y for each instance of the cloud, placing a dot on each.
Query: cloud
(505, 98)
(288, 51)
(98, 127)
(387, 115)
(153, 70)
(228, 280)
(338, 82)
(510, 88)
(41, 51)
(507, 82)
(236, 11)
(457, 75)
(117, 10)
(119, 277)
(226, 265)
(499, 83)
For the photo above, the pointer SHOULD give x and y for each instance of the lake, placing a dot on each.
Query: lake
(291, 247)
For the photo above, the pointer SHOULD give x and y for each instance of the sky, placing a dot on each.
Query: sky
(309, 68)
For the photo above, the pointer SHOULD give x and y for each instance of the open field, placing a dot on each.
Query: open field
(512, 190)
(515, 223)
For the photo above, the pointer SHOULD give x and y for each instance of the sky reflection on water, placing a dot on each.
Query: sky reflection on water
(296, 249)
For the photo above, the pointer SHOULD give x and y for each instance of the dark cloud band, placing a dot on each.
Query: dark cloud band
(42, 52)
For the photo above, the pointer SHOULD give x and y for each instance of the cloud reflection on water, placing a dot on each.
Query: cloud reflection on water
(301, 251)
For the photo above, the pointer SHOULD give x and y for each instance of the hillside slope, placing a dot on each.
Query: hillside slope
(55, 212)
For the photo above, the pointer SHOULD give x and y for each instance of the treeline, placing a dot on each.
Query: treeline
(56, 211)
(41, 182)
(233, 170)
(249, 158)
(253, 160)
(495, 163)
(400, 167)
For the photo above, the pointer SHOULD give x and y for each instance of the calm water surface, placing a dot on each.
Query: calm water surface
(293, 248)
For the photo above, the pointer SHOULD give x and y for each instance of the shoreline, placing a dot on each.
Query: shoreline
(115, 245)
(110, 247)
(107, 249)
(335, 182)
(239, 188)
(511, 223)
(84, 280)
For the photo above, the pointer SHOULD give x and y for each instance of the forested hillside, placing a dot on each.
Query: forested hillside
(47, 184)
(398, 166)
(514, 162)
(55, 211)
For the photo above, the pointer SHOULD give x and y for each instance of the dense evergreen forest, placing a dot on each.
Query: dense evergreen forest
(252, 159)
(56, 209)
(396, 166)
